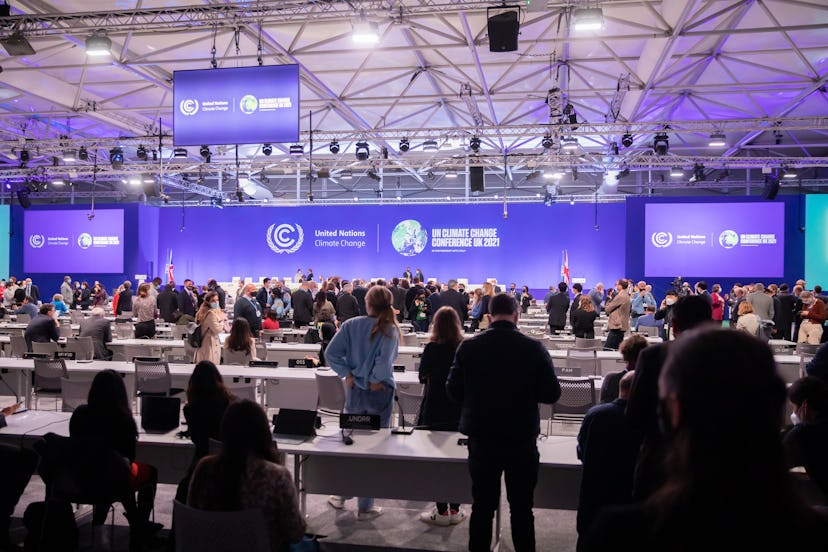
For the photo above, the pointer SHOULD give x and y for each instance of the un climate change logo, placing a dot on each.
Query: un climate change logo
(728, 239)
(285, 238)
(409, 238)
(188, 107)
(662, 239)
(249, 104)
(84, 241)
(37, 241)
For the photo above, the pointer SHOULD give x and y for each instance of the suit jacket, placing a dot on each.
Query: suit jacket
(454, 299)
(185, 303)
(359, 294)
(762, 305)
(478, 382)
(618, 310)
(302, 307)
(245, 308)
(124, 301)
(167, 301)
(399, 298)
(556, 309)
(20, 293)
(784, 318)
(100, 330)
(347, 307)
(42, 329)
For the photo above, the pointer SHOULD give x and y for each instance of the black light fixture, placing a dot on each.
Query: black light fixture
(98, 45)
(141, 152)
(333, 147)
(362, 151)
(240, 195)
(205, 154)
(474, 144)
(372, 174)
(24, 156)
(116, 158)
(17, 45)
(180, 152)
(627, 140)
(698, 172)
(83, 155)
(297, 149)
(405, 145)
(267, 149)
(661, 144)
(430, 145)
(547, 142)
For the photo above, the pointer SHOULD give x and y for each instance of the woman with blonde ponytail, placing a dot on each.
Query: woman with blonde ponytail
(363, 352)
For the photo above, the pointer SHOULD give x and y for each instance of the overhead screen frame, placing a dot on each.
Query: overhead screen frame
(178, 116)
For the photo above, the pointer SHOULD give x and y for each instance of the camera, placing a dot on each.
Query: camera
(676, 284)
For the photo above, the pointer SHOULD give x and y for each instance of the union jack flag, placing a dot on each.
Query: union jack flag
(170, 268)
(565, 276)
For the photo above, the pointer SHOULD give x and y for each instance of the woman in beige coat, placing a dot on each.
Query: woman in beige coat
(212, 322)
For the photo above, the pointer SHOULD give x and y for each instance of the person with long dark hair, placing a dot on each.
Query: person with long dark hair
(727, 485)
(438, 412)
(363, 352)
(241, 338)
(145, 310)
(212, 321)
(246, 474)
(105, 423)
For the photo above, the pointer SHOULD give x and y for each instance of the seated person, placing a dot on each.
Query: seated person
(648, 319)
(43, 328)
(629, 350)
(748, 321)
(608, 448)
(29, 306)
(326, 331)
(247, 474)
(807, 442)
(16, 468)
(60, 306)
(100, 330)
(271, 321)
(241, 339)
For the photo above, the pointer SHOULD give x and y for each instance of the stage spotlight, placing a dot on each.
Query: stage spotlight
(69, 156)
(98, 46)
(83, 155)
(587, 19)
(297, 149)
(334, 147)
(661, 144)
(547, 142)
(788, 172)
(362, 151)
(346, 175)
(116, 158)
(141, 152)
(717, 140)
(180, 152)
(267, 149)
(205, 154)
(474, 144)
(17, 44)
(627, 140)
(365, 32)
(676, 172)
(569, 144)
(404, 145)
(430, 145)
(24, 156)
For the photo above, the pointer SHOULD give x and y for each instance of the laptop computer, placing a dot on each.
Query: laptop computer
(160, 414)
(292, 427)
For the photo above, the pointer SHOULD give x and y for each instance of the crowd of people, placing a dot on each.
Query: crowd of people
(685, 452)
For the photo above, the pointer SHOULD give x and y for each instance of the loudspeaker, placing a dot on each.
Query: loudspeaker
(771, 188)
(476, 180)
(504, 28)
(23, 198)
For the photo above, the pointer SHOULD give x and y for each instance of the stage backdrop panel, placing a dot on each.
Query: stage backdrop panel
(369, 241)
(5, 227)
(816, 241)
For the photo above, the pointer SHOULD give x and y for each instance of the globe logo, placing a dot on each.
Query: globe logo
(249, 104)
(409, 238)
(84, 241)
(728, 239)
(37, 241)
(285, 238)
(188, 107)
(661, 239)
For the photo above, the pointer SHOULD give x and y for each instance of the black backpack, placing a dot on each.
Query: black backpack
(196, 338)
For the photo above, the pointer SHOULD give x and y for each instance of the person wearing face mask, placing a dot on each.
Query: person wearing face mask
(248, 308)
(812, 316)
(806, 444)
(43, 328)
(665, 313)
(212, 322)
(618, 310)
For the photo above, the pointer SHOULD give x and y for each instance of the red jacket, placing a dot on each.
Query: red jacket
(816, 313)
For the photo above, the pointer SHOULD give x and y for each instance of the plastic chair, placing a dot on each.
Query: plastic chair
(579, 362)
(49, 348)
(588, 344)
(408, 405)
(272, 335)
(47, 378)
(649, 331)
(208, 531)
(125, 330)
(299, 395)
(241, 358)
(18, 346)
(23, 318)
(65, 330)
(410, 340)
(179, 331)
(81, 346)
(577, 397)
(76, 316)
(73, 393)
(331, 389)
(152, 377)
(243, 388)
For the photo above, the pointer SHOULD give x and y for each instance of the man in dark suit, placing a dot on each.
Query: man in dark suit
(263, 293)
(359, 292)
(502, 438)
(43, 328)
(688, 312)
(407, 273)
(302, 305)
(454, 299)
(412, 292)
(248, 308)
(399, 298)
(187, 300)
(346, 304)
(607, 447)
(167, 302)
(578, 290)
(784, 316)
(556, 308)
(100, 330)
(27, 289)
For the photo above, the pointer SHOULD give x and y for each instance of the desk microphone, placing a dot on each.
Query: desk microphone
(347, 439)
(401, 429)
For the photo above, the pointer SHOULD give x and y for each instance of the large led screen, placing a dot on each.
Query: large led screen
(722, 240)
(245, 105)
(816, 240)
(72, 241)
(445, 241)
